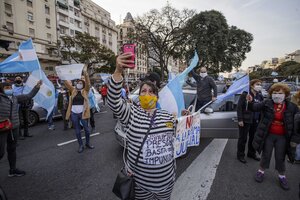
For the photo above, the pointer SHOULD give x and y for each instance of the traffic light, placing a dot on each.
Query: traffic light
(4, 44)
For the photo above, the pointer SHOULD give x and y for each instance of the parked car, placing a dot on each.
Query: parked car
(37, 113)
(216, 120)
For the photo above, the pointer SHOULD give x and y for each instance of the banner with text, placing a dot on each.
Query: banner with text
(187, 133)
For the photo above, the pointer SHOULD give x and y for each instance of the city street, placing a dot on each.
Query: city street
(209, 171)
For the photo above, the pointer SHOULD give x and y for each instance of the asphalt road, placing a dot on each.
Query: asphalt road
(61, 173)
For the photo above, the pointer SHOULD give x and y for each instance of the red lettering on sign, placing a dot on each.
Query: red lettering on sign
(189, 121)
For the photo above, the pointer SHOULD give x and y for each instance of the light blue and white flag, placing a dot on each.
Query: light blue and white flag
(172, 75)
(25, 60)
(46, 95)
(69, 72)
(237, 87)
(171, 96)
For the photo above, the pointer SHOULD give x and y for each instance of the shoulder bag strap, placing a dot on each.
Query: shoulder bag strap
(144, 140)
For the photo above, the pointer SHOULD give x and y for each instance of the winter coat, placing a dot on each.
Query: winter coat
(84, 92)
(243, 113)
(6, 103)
(267, 115)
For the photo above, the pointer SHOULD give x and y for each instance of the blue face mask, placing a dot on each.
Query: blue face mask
(8, 92)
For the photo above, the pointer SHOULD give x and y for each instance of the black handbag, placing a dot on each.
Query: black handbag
(124, 184)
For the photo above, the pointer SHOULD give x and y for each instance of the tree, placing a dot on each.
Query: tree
(238, 44)
(289, 68)
(86, 49)
(162, 33)
(219, 46)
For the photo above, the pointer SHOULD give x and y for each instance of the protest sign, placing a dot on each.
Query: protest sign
(69, 72)
(187, 133)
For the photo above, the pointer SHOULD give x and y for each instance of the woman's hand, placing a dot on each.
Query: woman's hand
(39, 83)
(123, 62)
(185, 112)
(249, 98)
(241, 124)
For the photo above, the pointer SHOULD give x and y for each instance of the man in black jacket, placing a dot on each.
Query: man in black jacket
(9, 110)
(24, 107)
(248, 121)
(205, 85)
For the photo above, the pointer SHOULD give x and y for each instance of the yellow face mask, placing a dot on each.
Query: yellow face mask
(148, 102)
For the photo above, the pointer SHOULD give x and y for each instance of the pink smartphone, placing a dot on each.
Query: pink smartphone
(130, 48)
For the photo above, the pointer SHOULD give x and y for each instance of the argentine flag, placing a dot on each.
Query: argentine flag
(24, 60)
(46, 95)
(171, 96)
(238, 86)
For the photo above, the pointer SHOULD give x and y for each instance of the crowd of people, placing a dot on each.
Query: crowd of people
(267, 124)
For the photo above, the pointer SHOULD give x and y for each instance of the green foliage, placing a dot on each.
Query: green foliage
(86, 49)
(219, 46)
(286, 69)
(289, 68)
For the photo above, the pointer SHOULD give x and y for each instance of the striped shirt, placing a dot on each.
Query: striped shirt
(155, 170)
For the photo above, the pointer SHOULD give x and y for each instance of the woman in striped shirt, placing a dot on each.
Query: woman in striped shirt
(155, 170)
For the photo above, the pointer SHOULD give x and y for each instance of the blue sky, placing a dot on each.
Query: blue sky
(275, 24)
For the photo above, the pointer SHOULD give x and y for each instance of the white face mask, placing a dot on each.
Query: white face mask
(257, 88)
(278, 98)
(203, 74)
(79, 86)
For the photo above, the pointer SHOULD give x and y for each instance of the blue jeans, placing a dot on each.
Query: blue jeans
(50, 119)
(76, 119)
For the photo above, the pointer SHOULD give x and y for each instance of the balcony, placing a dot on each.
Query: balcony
(62, 5)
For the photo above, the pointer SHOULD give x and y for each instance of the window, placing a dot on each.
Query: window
(76, 13)
(8, 8)
(47, 10)
(29, 3)
(72, 32)
(31, 32)
(30, 16)
(71, 8)
(49, 37)
(10, 26)
(71, 20)
(48, 22)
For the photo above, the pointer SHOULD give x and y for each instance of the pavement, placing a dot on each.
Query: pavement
(56, 171)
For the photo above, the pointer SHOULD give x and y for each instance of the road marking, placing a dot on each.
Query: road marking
(196, 181)
(70, 141)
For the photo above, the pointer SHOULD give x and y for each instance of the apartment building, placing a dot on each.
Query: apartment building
(24, 19)
(126, 32)
(98, 23)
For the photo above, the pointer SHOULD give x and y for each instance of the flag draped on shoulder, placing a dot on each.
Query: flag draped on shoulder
(24, 60)
(46, 95)
(171, 96)
(238, 86)
(69, 72)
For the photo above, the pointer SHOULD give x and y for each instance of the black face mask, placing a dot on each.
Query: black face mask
(18, 81)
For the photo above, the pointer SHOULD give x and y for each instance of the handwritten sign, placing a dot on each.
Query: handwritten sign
(158, 149)
(187, 133)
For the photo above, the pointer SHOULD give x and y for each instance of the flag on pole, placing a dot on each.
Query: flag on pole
(171, 96)
(24, 60)
(46, 95)
(238, 86)
(69, 72)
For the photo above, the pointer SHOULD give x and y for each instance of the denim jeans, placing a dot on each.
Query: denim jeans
(76, 120)
(50, 119)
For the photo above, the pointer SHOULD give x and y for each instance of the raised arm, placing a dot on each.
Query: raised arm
(87, 81)
(69, 86)
(195, 75)
(25, 97)
(118, 105)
